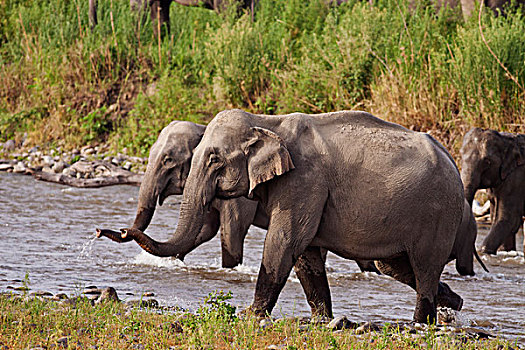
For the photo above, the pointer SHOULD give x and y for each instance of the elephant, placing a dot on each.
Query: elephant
(166, 174)
(160, 9)
(346, 182)
(495, 161)
(497, 6)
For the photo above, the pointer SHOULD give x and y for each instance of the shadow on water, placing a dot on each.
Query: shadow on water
(47, 231)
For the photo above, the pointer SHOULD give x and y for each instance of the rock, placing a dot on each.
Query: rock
(19, 168)
(480, 210)
(6, 167)
(88, 151)
(341, 322)
(138, 347)
(368, 327)
(173, 327)
(42, 293)
(143, 303)
(47, 169)
(108, 294)
(69, 172)
(62, 341)
(10, 145)
(266, 323)
(48, 160)
(92, 290)
(59, 296)
(127, 165)
(75, 152)
(59, 167)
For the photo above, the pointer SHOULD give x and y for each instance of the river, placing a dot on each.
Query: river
(47, 233)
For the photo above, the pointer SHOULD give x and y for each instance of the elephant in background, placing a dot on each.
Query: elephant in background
(376, 191)
(160, 9)
(496, 161)
(469, 7)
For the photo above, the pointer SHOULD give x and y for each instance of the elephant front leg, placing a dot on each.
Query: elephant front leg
(310, 269)
(236, 216)
(293, 225)
(508, 218)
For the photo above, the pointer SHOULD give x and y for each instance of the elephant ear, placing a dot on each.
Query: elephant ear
(514, 157)
(268, 157)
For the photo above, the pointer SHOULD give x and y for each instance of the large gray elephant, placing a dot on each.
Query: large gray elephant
(496, 161)
(346, 182)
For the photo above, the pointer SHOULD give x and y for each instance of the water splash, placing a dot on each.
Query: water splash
(87, 248)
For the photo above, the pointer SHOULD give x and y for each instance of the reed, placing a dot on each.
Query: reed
(65, 85)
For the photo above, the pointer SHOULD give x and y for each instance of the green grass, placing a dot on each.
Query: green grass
(32, 322)
(65, 85)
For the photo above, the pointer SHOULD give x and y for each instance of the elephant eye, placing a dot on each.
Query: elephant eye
(213, 159)
(167, 160)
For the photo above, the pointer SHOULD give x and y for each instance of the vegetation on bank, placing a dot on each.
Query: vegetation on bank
(33, 322)
(65, 85)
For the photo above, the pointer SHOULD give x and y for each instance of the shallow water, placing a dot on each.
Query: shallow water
(47, 232)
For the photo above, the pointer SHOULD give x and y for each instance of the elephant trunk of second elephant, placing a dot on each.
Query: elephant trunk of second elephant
(148, 196)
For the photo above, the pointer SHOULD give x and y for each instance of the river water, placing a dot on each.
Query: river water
(47, 234)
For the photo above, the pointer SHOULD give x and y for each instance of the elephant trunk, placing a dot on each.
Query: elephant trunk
(471, 183)
(184, 240)
(148, 195)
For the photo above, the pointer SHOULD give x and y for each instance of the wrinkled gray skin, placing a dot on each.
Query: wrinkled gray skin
(496, 161)
(375, 191)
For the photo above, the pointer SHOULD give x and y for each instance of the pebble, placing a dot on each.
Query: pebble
(19, 168)
(341, 322)
(10, 145)
(108, 294)
(59, 167)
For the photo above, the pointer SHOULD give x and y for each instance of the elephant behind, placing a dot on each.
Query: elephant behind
(375, 191)
(496, 161)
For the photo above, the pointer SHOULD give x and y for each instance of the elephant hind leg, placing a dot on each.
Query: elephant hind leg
(400, 269)
(310, 269)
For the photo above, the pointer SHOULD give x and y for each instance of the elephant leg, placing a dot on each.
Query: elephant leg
(289, 233)
(507, 221)
(236, 216)
(509, 243)
(367, 266)
(400, 269)
(310, 269)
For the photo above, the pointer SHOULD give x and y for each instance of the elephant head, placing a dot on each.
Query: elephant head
(168, 167)
(225, 165)
(488, 157)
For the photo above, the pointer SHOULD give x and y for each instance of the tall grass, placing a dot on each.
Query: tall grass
(66, 85)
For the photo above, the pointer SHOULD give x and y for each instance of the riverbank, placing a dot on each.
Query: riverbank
(43, 321)
(65, 85)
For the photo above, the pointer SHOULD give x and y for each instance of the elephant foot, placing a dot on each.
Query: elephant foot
(251, 311)
(113, 235)
(426, 311)
(489, 251)
(447, 298)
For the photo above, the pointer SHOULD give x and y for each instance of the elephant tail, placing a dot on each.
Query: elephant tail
(480, 261)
